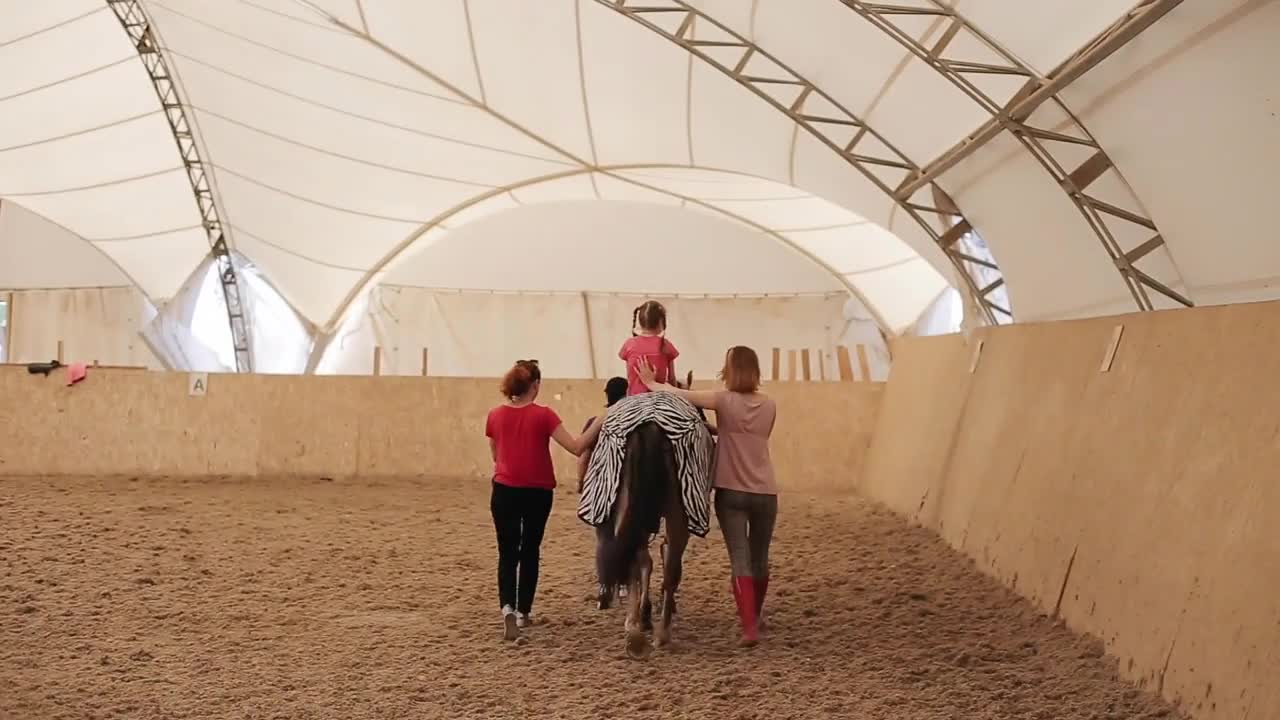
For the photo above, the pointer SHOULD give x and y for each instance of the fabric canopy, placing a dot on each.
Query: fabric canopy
(343, 136)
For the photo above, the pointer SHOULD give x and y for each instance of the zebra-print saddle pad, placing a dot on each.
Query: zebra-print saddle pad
(693, 449)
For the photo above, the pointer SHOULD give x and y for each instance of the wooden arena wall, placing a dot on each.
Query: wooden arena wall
(135, 422)
(1140, 502)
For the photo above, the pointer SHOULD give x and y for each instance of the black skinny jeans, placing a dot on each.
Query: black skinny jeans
(520, 518)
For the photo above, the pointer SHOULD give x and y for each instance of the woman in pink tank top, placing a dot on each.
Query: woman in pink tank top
(746, 497)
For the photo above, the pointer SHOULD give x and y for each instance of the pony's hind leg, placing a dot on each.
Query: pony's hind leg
(637, 643)
(634, 633)
(672, 572)
(646, 612)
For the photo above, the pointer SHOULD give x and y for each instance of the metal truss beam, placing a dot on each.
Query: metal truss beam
(1037, 91)
(137, 24)
(1014, 117)
(865, 149)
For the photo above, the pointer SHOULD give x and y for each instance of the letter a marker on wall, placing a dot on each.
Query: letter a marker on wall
(198, 384)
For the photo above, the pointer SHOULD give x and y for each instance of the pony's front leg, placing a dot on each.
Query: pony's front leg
(637, 644)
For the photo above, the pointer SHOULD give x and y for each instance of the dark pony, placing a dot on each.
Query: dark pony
(649, 493)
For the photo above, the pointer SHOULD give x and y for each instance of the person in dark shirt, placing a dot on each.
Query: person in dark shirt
(614, 390)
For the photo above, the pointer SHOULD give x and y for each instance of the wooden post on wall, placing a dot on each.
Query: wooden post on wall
(377, 360)
(846, 367)
(1110, 355)
(61, 355)
(804, 365)
(425, 362)
(977, 354)
(591, 339)
(777, 364)
(863, 363)
(822, 364)
(791, 365)
(8, 330)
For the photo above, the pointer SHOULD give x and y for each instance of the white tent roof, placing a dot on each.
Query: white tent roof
(36, 254)
(341, 133)
(619, 247)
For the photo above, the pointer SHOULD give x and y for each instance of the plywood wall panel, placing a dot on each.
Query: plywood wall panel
(310, 425)
(120, 422)
(1132, 502)
(917, 420)
(1009, 444)
(145, 423)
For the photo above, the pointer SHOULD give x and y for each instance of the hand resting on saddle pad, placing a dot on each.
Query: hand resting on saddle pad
(691, 441)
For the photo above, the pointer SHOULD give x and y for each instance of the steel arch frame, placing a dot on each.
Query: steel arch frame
(1014, 115)
(137, 24)
(967, 266)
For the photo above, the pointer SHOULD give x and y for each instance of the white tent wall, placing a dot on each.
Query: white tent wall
(185, 334)
(191, 331)
(602, 244)
(93, 324)
(4, 325)
(349, 349)
(62, 288)
(479, 334)
(858, 329)
(703, 328)
(482, 333)
(943, 317)
(281, 339)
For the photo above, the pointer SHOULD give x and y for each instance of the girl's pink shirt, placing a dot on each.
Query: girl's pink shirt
(660, 353)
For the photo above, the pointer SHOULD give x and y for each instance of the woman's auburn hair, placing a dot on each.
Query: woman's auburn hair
(741, 371)
(520, 378)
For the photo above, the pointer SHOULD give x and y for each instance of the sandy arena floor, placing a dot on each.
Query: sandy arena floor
(353, 600)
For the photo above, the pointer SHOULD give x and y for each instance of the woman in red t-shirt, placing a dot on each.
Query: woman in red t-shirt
(519, 432)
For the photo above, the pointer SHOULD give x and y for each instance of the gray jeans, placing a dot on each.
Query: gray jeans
(747, 520)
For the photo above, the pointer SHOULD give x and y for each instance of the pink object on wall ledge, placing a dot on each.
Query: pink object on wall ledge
(76, 372)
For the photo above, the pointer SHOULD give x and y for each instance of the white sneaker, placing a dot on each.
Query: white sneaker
(523, 620)
(509, 623)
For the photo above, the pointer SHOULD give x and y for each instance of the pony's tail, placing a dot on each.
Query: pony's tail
(646, 472)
